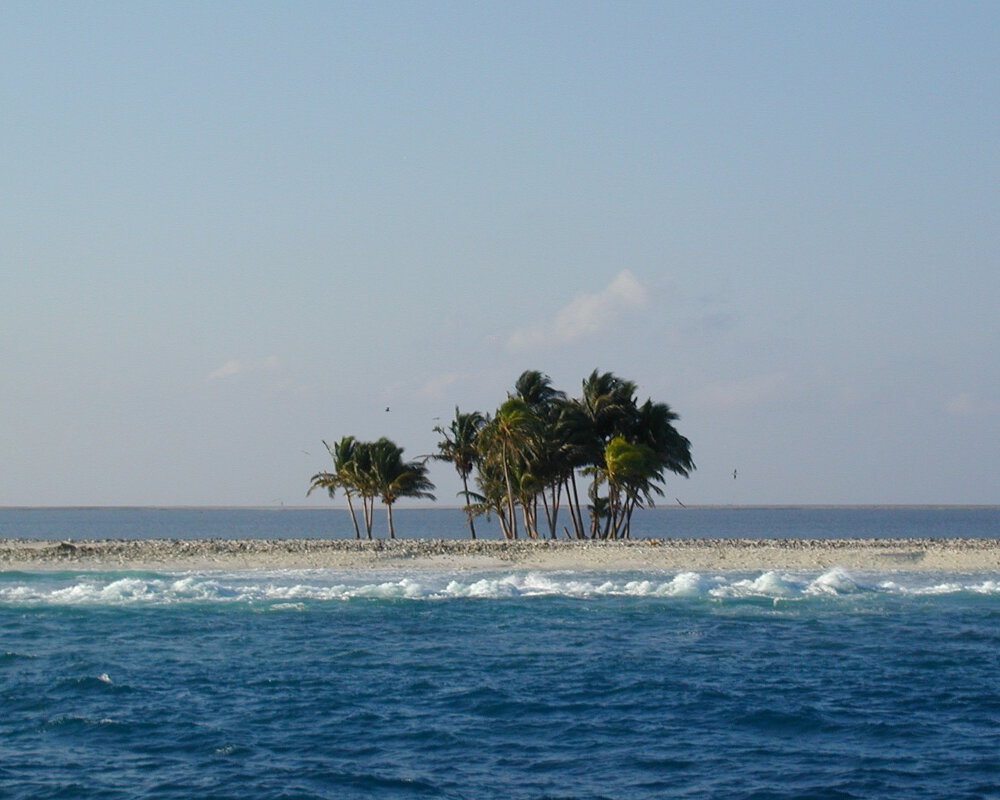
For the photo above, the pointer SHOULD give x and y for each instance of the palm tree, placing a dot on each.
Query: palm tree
(506, 442)
(642, 442)
(655, 428)
(632, 472)
(608, 401)
(393, 478)
(535, 389)
(492, 497)
(459, 448)
(574, 433)
(546, 467)
(607, 405)
(341, 478)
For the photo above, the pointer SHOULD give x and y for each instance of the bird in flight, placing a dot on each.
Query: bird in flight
(734, 471)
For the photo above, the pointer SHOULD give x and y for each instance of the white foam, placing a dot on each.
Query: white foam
(769, 584)
(982, 587)
(687, 584)
(937, 589)
(834, 582)
(294, 589)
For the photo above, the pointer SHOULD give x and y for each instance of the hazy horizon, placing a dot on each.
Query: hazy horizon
(425, 505)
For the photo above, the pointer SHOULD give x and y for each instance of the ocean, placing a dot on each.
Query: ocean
(512, 684)
(699, 522)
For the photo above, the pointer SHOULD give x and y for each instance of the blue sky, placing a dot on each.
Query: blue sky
(232, 230)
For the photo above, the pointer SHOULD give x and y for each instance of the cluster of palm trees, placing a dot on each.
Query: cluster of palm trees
(370, 470)
(525, 459)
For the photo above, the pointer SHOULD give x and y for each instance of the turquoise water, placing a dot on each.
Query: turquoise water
(326, 684)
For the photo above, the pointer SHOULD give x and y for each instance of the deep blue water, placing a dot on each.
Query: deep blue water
(322, 684)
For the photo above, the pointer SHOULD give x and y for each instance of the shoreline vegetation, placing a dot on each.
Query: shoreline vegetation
(535, 456)
(722, 555)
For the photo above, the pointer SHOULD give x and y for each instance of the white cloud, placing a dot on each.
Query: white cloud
(235, 367)
(227, 370)
(585, 314)
(967, 404)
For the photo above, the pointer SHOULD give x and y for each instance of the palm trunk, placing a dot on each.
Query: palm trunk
(510, 496)
(609, 516)
(553, 515)
(392, 529)
(530, 526)
(504, 523)
(595, 519)
(627, 532)
(369, 503)
(548, 512)
(573, 500)
(610, 525)
(616, 514)
(465, 486)
(354, 518)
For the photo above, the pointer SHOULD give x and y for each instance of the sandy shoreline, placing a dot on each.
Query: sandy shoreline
(947, 555)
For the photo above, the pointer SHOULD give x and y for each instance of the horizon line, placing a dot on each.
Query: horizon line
(441, 507)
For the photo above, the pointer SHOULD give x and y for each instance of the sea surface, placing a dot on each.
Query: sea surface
(511, 684)
(754, 522)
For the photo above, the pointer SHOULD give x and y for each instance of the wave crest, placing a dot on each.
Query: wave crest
(293, 589)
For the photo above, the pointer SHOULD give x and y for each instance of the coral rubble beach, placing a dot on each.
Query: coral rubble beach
(948, 555)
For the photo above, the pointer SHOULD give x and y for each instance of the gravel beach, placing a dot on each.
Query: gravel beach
(949, 555)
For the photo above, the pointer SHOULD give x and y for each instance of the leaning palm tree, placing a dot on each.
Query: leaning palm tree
(507, 441)
(654, 427)
(547, 466)
(363, 481)
(535, 389)
(609, 402)
(459, 448)
(492, 495)
(341, 477)
(393, 478)
(632, 472)
(578, 447)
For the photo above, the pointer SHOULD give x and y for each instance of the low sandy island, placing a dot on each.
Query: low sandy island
(949, 555)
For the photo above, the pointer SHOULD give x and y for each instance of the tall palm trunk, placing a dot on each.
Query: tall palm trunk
(573, 500)
(465, 486)
(354, 518)
(530, 521)
(512, 516)
(552, 512)
(369, 504)
(627, 530)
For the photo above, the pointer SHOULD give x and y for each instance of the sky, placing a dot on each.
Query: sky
(232, 230)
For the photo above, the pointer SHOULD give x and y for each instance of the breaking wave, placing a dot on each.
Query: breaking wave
(292, 589)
